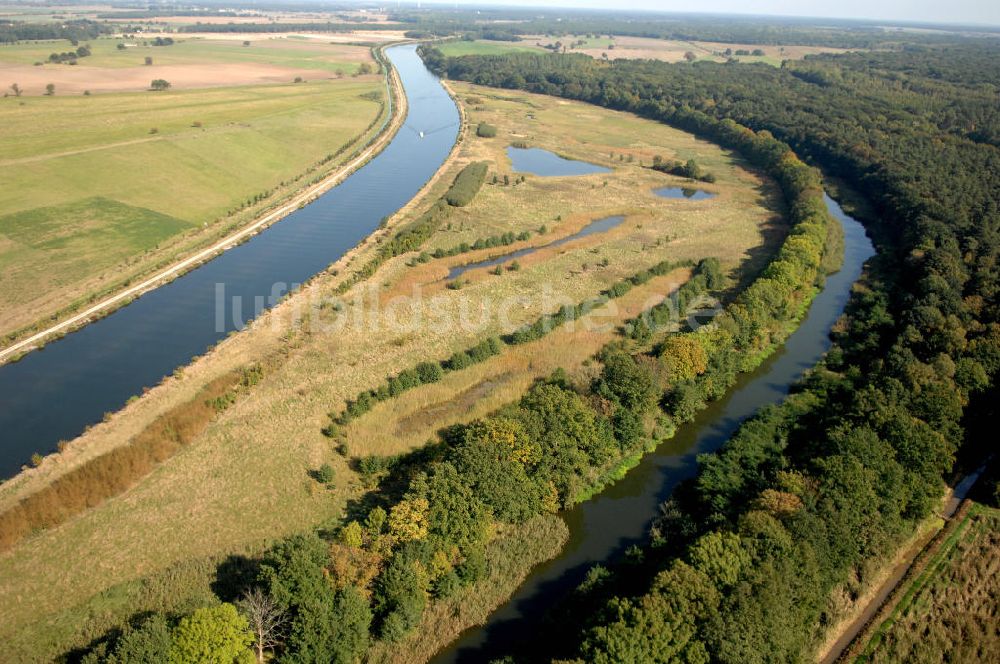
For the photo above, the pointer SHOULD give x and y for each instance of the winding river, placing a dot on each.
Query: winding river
(54, 393)
(602, 528)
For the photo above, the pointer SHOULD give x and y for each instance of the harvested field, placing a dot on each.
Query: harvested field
(77, 80)
(669, 50)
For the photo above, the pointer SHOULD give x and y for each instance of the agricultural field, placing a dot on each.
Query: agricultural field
(949, 611)
(127, 15)
(188, 62)
(484, 47)
(45, 13)
(246, 478)
(121, 181)
(669, 50)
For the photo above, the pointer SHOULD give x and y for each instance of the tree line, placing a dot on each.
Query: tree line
(74, 30)
(723, 30)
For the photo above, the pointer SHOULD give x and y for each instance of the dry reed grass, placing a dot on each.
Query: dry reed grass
(115, 472)
(953, 616)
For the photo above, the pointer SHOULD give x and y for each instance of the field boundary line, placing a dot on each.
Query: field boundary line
(72, 153)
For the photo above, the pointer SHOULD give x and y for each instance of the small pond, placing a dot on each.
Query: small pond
(542, 162)
(683, 192)
(598, 226)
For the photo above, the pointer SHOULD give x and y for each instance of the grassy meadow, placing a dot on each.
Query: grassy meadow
(186, 50)
(117, 183)
(484, 47)
(245, 480)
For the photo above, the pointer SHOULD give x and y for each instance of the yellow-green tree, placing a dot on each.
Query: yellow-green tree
(352, 535)
(213, 635)
(408, 519)
(684, 357)
(507, 434)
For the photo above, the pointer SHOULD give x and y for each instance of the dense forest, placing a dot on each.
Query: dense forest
(679, 26)
(510, 24)
(749, 558)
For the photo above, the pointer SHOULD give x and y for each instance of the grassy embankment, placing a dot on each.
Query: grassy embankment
(244, 480)
(120, 184)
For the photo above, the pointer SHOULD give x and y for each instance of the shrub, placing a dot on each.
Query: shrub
(406, 380)
(472, 568)
(215, 634)
(486, 130)
(459, 361)
(467, 184)
(429, 372)
(691, 169)
(324, 475)
(485, 350)
(149, 642)
(447, 585)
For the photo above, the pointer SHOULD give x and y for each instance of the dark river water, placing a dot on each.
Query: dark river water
(604, 526)
(54, 393)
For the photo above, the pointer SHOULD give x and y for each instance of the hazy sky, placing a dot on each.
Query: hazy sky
(949, 11)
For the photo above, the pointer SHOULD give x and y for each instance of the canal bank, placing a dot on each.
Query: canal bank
(55, 393)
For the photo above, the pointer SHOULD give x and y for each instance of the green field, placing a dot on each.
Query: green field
(299, 54)
(99, 166)
(483, 47)
(73, 239)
